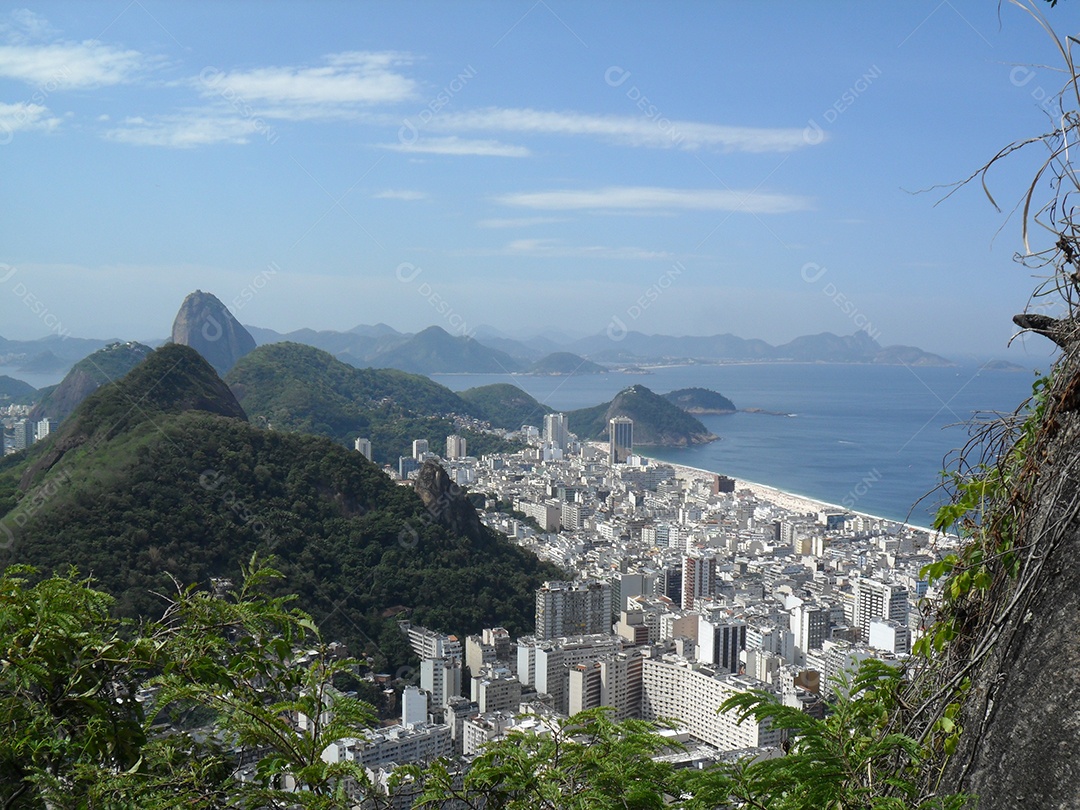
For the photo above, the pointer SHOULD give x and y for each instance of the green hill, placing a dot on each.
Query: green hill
(700, 401)
(504, 405)
(435, 351)
(657, 422)
(86, 376)
(564, 364)
(13, 389)
(159, 474)
(290, 386)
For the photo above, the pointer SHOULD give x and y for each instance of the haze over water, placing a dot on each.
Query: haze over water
(874, 438)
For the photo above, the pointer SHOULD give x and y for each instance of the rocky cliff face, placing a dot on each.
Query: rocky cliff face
(206, 325)
(1021, 719)
(446, 502)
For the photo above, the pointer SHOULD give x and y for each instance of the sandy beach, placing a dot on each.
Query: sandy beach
(786, 500)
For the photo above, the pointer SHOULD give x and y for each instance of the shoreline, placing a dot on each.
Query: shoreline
(786, 499)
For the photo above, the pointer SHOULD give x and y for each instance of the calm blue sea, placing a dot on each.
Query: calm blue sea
(874, 438)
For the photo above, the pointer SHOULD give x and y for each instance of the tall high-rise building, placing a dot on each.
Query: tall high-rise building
(555, 430)
(878, 600)
(441, 678)
(455, 447)
(44, 428)
(698, 579)
(363, 446)
(671, 587)
(613, 681)
(24, 434)
(414, 707)
(690, 693)
(406, 465)
(573, 609)
(419, 449)
(621, 439)
(720, 641)
(810, 624)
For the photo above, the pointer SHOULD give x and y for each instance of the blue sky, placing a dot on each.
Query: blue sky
(690, 168)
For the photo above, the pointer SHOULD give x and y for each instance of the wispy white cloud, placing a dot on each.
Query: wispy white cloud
(63, 65)
(184, 131)
(347, 83)
(23, 25)
(638, 198)
(517, 222)
(400, 194)
(557, 249)
(454, 145)
(24, 116)
(628, 130)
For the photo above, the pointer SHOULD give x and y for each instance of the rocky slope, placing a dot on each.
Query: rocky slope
(205, 324)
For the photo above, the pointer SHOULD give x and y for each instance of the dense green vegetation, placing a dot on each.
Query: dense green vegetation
(566, 363)
(700, 400)
(656, 420)
(289, 386)
(113, 361)
(138, 494)
(504, 405)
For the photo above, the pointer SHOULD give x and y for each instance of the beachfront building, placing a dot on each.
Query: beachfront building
(620, 439)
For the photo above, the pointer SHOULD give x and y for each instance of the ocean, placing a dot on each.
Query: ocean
(874, 439)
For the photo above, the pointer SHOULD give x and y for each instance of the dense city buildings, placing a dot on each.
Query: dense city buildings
(682, 588)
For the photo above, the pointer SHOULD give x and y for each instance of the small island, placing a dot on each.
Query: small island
(657, 422)
(700, 401)
(562, 364)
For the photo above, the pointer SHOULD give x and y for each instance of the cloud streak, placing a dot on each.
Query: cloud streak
(340, 88)
(627, 130)
(71, 65)
(400, 194)
(651, 198)
(454, 145)
(183, 131)
(557, 249)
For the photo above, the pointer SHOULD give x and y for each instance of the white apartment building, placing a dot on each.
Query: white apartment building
(673, 687)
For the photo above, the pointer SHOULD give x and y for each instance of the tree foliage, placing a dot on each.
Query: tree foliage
(83, 694)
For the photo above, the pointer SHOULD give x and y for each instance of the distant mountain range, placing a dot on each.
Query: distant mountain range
(434, 350)
(299, 388)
